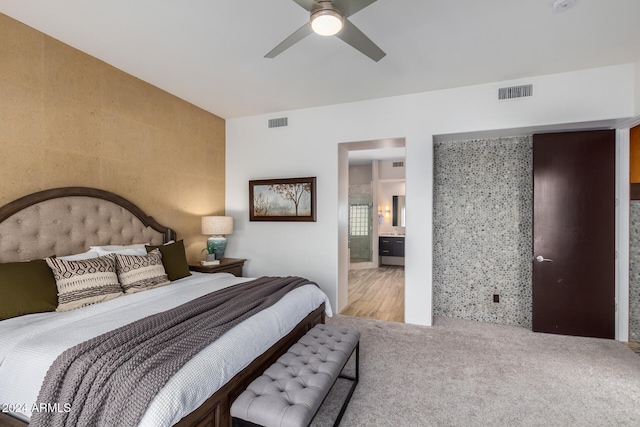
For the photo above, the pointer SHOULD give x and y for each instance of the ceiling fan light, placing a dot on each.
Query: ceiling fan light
(326, 22)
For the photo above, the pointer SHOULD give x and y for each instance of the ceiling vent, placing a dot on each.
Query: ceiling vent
(515, 91)
(398, 164)
(276, 123)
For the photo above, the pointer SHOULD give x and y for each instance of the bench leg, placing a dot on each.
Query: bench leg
(237, 422)
(354, 383)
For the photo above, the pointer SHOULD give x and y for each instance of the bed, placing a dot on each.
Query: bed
(70, 221)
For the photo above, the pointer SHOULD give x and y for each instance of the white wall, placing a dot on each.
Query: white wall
(388, 171)
(360, 174)
(309, 147)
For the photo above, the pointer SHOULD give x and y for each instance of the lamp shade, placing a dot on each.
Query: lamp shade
(217, 225)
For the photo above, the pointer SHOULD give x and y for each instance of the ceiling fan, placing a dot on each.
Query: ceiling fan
(330, 18)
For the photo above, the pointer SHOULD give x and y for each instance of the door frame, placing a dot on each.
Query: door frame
(622, 232)
(574, 223)
(622, 226)
(622, 229)
(342, 287)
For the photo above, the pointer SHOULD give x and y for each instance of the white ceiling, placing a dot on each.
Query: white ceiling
(210, 52)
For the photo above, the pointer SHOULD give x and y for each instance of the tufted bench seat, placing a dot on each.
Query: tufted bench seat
(290, 391)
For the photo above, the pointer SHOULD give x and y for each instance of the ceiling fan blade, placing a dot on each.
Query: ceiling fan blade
(308, 4)
(356, 38)
(294, 38)
(349, 7)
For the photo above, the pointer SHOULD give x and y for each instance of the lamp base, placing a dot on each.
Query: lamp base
(219, 243)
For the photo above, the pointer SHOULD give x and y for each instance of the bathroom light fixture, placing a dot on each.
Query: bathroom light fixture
(326, 21)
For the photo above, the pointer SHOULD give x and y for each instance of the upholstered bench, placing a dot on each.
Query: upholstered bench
(290, 391)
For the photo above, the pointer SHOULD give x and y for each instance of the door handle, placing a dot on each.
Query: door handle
(539, 258)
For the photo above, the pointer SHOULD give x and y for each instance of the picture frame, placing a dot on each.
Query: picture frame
(282, 199)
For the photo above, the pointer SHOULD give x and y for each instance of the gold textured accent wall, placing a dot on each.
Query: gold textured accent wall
(69, 119)
(634, 156)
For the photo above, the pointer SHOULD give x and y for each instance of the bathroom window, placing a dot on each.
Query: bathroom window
(359, 220)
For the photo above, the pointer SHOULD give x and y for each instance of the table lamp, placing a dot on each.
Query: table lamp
(217, 227)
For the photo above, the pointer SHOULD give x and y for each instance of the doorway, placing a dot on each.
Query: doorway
(373, 290)
(634, 239)
(483, 203)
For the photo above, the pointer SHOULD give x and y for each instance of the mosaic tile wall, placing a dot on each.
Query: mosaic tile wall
(483, 230)
(634, 270)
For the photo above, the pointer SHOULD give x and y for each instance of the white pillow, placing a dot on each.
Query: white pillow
(135, 249)
(78, 257)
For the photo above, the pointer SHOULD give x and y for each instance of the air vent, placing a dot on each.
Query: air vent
(515, 91)
(276, 123)
(398, 164)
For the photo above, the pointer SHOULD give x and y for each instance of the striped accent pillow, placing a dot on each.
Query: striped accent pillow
(141, 272)
(85, 282)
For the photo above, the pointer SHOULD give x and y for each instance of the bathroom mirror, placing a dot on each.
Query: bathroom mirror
(398, 211)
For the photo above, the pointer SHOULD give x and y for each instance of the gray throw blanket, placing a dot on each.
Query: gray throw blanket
(111, 379)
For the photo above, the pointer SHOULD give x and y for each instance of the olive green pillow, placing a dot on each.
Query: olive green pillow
(27, 287)
(173, 259)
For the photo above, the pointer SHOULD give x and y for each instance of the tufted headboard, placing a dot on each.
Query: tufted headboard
(64, 221)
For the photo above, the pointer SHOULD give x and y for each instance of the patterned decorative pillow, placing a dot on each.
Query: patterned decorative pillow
(141, 272)
(85, 282)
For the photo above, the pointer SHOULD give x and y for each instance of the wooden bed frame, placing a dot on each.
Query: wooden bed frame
(215, 411)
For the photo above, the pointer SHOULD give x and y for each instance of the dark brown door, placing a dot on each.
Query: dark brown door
(574, 233)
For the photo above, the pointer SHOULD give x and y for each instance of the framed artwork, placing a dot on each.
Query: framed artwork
(285, 199)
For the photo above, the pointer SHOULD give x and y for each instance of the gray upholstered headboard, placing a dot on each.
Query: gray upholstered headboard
(64, 221)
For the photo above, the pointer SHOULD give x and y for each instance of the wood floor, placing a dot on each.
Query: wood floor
(376, 293)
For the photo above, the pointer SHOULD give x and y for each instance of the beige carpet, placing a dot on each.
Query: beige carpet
(465, 373)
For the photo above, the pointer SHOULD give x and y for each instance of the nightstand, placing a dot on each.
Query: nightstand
(227, 265)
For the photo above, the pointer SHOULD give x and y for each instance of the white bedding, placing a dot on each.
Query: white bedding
(29, 344)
